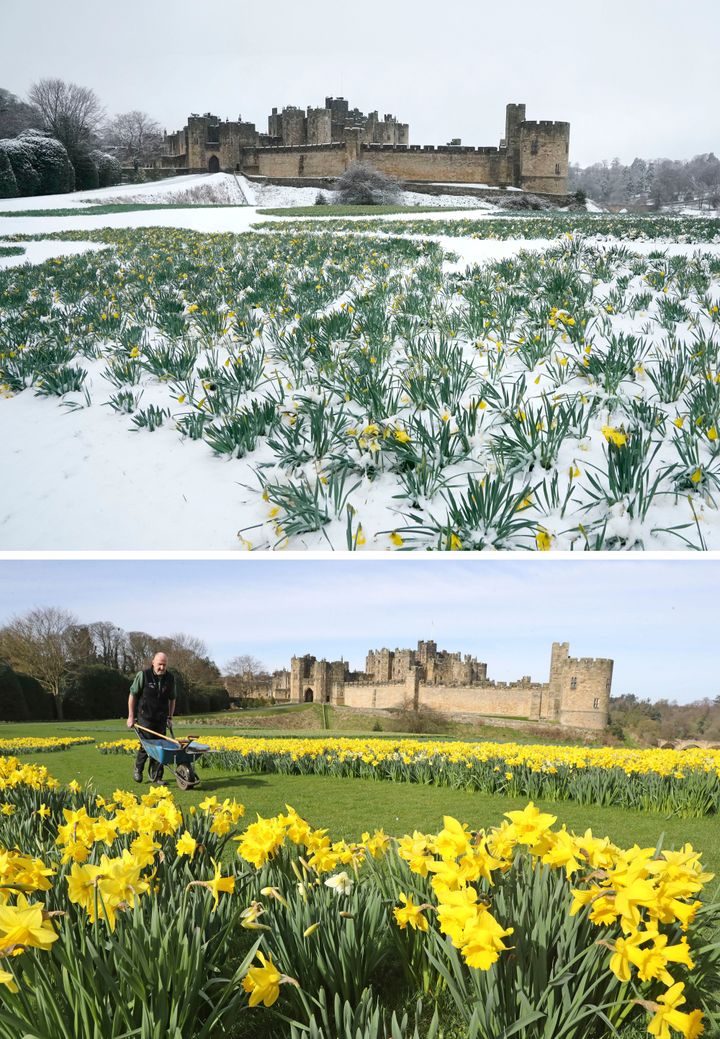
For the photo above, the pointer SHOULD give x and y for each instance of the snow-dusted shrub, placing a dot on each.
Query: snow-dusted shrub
(51, 161)
(86, 172)
(522, 201)
(362, 185)
(8, 184)
(109, 169)
(27, 176)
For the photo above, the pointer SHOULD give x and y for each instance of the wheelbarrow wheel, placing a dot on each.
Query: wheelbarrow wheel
(186, 777)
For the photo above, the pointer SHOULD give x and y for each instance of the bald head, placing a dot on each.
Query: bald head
(159, 663)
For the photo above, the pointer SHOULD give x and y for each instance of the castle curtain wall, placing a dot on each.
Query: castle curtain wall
(507, 701)
(455, 165)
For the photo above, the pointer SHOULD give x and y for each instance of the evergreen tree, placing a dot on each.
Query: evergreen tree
(86, 172)
(27, 177)
(51, 161)
(8, 184)
(109, 169)
(12, 702)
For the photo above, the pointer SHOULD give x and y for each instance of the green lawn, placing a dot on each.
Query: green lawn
(347, 807)
(331, 210)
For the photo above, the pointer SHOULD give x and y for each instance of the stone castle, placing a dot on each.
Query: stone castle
(576, 695)
(316, 143)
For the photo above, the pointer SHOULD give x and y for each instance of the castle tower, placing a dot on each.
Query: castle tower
(301, 669)
(544, 156)
(319, 126)
(321, 683)
(514, 118)
(337, 682)
(293, 126)
(578, 690)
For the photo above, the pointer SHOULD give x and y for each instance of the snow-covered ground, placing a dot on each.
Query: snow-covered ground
(74, 477)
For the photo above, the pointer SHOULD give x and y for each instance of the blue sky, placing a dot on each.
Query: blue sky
(656, 619)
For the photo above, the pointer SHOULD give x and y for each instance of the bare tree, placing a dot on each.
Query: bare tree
(134, 137)
(139, 651)
(189, 655)
(71, 113)
(110, 644)
(40, 643)
(245, 666)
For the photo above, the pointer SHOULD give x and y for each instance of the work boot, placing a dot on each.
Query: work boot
(137, 775)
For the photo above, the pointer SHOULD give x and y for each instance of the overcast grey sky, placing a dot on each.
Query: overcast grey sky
(633, 77)
(656, 619)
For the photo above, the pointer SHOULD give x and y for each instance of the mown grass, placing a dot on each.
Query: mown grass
(337, 210)
(348, 807)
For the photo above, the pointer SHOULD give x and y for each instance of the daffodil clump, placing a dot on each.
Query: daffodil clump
(684, 782)
(623, 228)
(128, 914)
(34, 744)
(374, 400)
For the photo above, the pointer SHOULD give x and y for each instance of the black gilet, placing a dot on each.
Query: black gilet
(156, 692)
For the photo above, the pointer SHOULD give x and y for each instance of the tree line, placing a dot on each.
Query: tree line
(60, 139)
(654, 721)
(54, 666)
(648, 184)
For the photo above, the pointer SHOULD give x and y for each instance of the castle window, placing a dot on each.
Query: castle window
(573, 683)
(596, 703)
(213, 134)
(557, 169)
(535, 146)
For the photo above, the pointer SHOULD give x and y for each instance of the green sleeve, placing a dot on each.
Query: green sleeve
(137, 686)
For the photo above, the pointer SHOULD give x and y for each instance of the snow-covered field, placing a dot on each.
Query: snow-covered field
(410, 384)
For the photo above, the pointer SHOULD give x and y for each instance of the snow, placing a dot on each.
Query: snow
(84, 474)
(76, 476)
(38, 252)
(157, 191)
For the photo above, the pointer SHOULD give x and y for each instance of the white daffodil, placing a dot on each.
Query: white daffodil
(340, 883)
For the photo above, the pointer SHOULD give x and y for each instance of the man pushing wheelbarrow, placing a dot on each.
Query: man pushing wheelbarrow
(151, 705)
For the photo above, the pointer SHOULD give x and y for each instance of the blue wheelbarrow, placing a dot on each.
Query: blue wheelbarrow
(177, 755)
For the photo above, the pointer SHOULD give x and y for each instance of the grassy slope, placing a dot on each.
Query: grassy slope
(117, 207)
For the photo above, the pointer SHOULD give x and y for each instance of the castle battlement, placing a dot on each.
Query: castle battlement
(576, 694)
(544, 124)
(321, 142)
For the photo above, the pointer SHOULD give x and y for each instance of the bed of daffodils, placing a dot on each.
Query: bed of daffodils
(129, 918)
(684, 783)
(379, 396)
(34, 744)
(660, 228)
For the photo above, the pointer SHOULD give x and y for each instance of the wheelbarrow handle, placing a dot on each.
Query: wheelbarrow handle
(160, 735)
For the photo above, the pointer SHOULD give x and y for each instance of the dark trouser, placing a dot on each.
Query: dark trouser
(157, 725)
